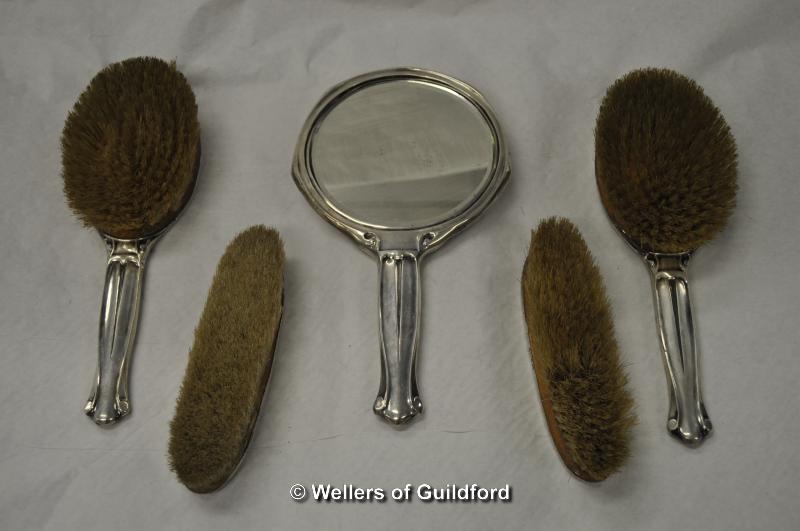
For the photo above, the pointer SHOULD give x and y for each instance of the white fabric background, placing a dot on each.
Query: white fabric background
(257, 69)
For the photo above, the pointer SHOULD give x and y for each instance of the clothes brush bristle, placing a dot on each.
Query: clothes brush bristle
(575, 355)
(230, 362)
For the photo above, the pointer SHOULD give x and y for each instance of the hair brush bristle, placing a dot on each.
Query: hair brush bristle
(130, 148)
(665, 161)
(575, 356)
(230, 362)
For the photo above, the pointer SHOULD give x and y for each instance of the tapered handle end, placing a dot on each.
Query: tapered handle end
(104, 412)
(691, 431)
(397, 412)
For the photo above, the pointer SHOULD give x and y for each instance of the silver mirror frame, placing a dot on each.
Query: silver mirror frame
(399, 250)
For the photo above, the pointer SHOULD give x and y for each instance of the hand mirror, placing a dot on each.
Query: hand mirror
(400, 160)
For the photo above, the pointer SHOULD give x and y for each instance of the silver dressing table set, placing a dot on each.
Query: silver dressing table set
(400, 160)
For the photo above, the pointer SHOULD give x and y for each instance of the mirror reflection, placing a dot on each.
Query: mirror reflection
(402, 153)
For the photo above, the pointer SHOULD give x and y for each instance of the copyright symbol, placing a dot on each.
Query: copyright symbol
(297, 492)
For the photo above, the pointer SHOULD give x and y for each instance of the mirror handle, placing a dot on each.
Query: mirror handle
(398, 397)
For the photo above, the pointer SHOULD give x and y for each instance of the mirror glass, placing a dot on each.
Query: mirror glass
(402, 153)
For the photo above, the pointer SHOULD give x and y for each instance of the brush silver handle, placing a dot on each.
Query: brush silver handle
(119, 313)
(688, 420)
(398, 397)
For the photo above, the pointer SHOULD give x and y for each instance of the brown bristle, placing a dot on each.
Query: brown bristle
(665, 161)
(130, 148)
(230, 362)
(588, 407)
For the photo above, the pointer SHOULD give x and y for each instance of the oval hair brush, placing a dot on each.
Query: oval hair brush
(130, 153)
(587, 405)
(665, 163)
(230, 362)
